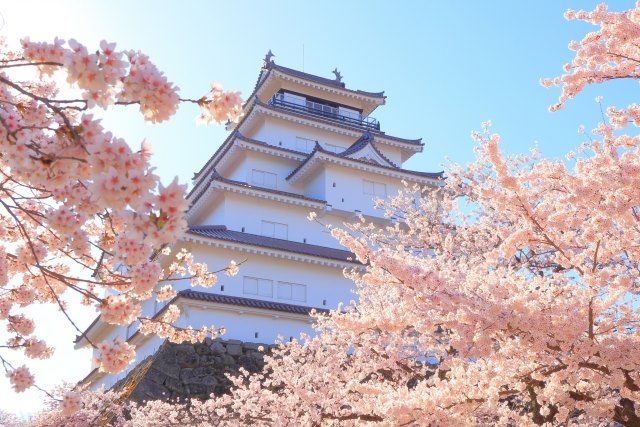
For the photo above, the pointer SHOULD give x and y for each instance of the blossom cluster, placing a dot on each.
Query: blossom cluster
(114, 356)
(105, 77)
(221, 106)
(20, 379)
(611, 52)
(82, 211)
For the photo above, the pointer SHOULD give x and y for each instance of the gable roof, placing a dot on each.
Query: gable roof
(220, 232)
(320, 154)
(366, 140)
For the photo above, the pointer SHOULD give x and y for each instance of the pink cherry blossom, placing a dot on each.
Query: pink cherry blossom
(20, 379)
(82, 212)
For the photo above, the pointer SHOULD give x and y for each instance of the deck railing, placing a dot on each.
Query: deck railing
(326, 111)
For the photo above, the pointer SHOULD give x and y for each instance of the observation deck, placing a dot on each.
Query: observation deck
(339, 114)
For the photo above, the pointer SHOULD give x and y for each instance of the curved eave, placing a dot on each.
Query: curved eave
(220, 187)
(95, 332)
(236, 142)
(318, 157)
(273, 78)
(368, 145)
(410, 146)
(262, 250)
(212, 302)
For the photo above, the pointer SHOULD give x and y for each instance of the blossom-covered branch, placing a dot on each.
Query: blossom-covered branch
(80, 211)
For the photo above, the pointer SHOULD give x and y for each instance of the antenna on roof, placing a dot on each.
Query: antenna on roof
(302, 57)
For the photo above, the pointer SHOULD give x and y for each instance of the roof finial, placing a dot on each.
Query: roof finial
(267, 59)
(338, 75)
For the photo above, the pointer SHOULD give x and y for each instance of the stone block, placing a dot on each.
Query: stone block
(252, 346)
(234, 349)
(202, 349)
(155, 376)
(218, 348)
(186, 356)
(227, 360)
(207, 360)
(176, 386)
(187, 375)
(167, 364)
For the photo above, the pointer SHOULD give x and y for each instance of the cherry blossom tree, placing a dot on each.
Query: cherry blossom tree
(519, 308)
(81, 212)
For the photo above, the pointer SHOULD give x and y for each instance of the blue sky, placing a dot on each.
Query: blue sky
(444, 66)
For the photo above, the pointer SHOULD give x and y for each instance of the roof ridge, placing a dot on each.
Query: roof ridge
(366, 139)
(273, 243)
(218, 177)
(219, 227)
(414, 142)
(434, 175)
(248, 302)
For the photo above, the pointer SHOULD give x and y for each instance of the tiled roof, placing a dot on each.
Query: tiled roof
(362, 142)
(226, 146)
(215, 176)
(222, 233)
(322, 80)
(247, 302)
(266, 144)
(414, 142)
(319, 149)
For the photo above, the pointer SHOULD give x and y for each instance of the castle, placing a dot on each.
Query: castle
(305, 143)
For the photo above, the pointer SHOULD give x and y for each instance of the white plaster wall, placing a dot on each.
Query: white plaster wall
(392, 153)
(244, 325)
(239, 325)
(326, 286)
(244, 211)
(282, 167)
(316, 186)
(211, 214)
(348, 193)
(283, 133)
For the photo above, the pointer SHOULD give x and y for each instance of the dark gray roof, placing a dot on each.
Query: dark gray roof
(362, 142)
(319, 149)
(414, 142)
(226, 146)
(271, 65)
(215, 176)
(221, 232)
(247, 302)
(322, 80)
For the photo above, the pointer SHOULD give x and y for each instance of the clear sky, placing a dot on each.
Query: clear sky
(444, 66)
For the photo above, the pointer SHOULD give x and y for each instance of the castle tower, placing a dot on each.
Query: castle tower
(305, 143)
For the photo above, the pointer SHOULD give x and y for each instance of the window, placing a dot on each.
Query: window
(263, 179)
(293, 99)
(257, 286)
(292, 291)
(348, 112)
(305, 144)
(376, 189)
(274, 229)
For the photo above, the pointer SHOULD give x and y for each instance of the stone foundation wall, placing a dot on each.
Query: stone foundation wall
(184, 371)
